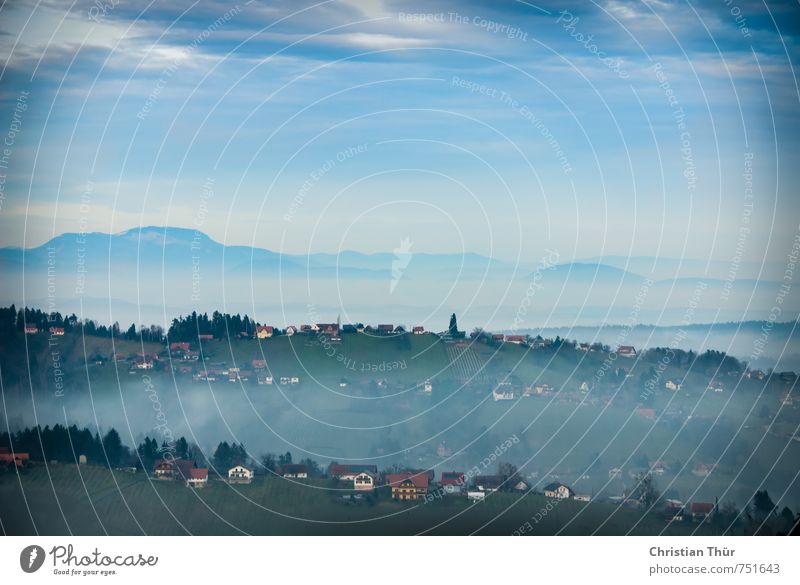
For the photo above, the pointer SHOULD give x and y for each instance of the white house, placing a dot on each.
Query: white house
(198, 477)
(240, 474)
(364, 481)
(670, 385)
(503, 391)
(427, 387)
(582, 498)
(475, 495)
(264, 331)
(558, 491)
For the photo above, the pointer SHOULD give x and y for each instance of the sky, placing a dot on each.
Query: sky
(658, 128)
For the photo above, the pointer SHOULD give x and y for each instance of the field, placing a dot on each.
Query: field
(85, 500)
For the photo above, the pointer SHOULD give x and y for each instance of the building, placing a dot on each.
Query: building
(418, 330)
(57, 331)
(582, 498)
(498, 337)
(670, 385)
(173, 469)
(331, 330)
(198, 477)
(475, 495)
(518, 339)
(14, 459)
(364, 482)
(258, 364)
(264, 331)
(584, 347)
(349, 472)
(240, 474)
(453, 482)
(427, 387)
(584, 387)
(645, 412)
(489, 483)
(385, 328)
(558, 491)
(701, 510)
(408, 485)
(627, 351)
(290, 330)
(503, 391)
(715, 386)
(294, 471)
(205, 337)
(31, 329)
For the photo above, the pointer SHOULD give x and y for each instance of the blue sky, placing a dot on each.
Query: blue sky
(356, 124)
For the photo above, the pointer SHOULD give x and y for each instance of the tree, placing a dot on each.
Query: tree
(114, 449)
(510, 474)
(285, 459)
(645, 490)
(763, 505)
(453, 329)
(181, 449)
(268, 461)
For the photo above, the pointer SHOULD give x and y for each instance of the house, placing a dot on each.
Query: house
(172, 468)
(408, 485)
(264, 331)
(499, 337)
(290, 330)
(263, 379)
(143, 363)
(14, 459)
(582, 498)
(240, 474)
(648, 413)
(329, 329)
(558, 491)
(584, 347)
(658, 467)
(503, 391)
(521, 486)
(57, 331)
(349, 472)
(443, 450)
(427, 387)
(670, 385)
(703, 469)
(205, 337)
(418, 330)
(364, 482)
(198, 477)
(701, 510)
(31, 329)
(453, 482)
(475, 495)
(584, 387)
(385, 328)
(518, 339)
(488, 483)
(715, 386)
(178, 347)
(627, 351)
(294, 471)
(258, 364)
(343, 383)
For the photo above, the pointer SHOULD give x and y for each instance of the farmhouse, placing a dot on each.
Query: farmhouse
(558, 491)
(264, 331)
(408, 485)
(258, 364)
(57, 331)
(31, 329)
(671, 385)
(240, 474)
(453, 482)
(205, 337)
(172, 469)
(418, 330)
(701, 510)
(290, 330)
(385, 328)
(198, 477)
(329, 329)
(503, 391)
(13, 459)
(364, 482)
(518, 339)
(294, 471)
(489, 483)
(349, 472)
(627, 351)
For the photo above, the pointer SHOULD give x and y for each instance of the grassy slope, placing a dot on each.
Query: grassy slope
(162, 508)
